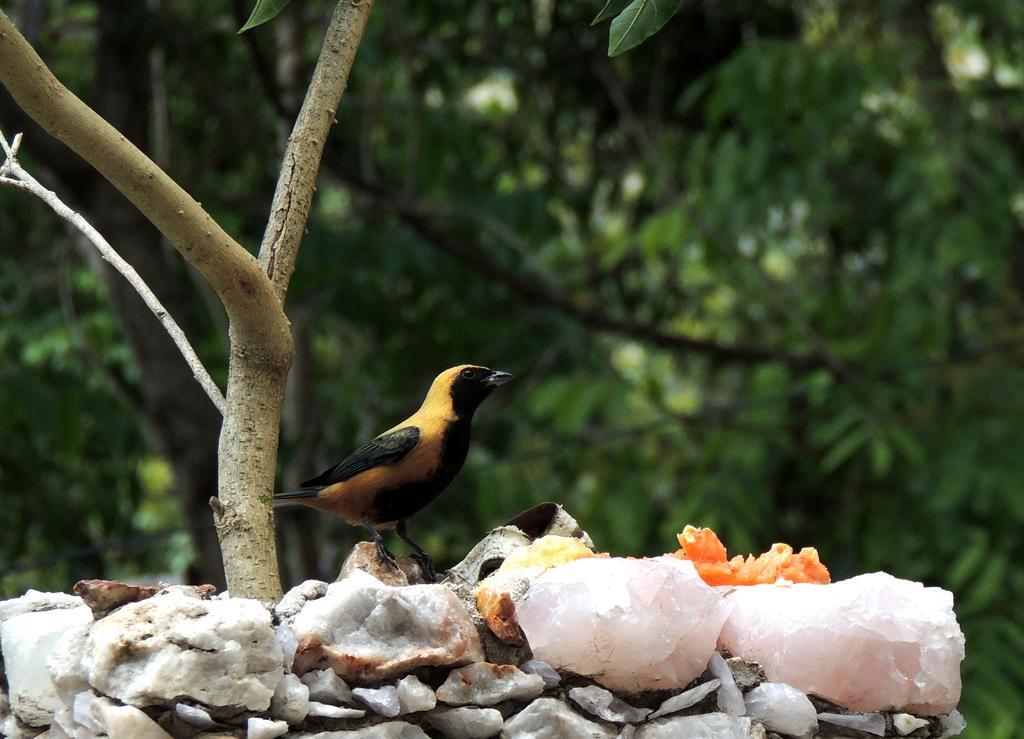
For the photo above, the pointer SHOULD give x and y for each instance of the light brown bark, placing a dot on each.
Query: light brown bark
(293, 197)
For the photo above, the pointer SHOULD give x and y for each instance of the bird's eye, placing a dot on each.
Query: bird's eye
(469, 373)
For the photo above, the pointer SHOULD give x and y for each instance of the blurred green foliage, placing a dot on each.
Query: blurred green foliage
(842, 180)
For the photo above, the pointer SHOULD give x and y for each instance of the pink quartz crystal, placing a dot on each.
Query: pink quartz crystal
(870, 643)
(630, 624)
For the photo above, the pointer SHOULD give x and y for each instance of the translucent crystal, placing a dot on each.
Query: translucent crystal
(686, 699)
(782, 708)
(326, 687)
(467, 723)
(705, 726)
(953, 723)
(870, 643)
(730, 699)
(548, 718)
(414, 696)
(485, 684)
(547, 673)
(605, 705)
(630, 624)
(383, 701)
(871, 723)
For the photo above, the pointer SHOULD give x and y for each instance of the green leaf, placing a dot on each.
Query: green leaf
(638, 22)
(844, 449)
(611, 8)
(263, 12)
(881, 455)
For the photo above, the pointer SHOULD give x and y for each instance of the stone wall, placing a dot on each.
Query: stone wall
(601, 647)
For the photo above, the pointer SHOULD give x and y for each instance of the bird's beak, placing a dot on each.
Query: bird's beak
(497, 378)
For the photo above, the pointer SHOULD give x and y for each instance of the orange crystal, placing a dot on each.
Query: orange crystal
(709, 557)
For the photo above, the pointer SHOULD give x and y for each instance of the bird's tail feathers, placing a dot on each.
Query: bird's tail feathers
(295, 495)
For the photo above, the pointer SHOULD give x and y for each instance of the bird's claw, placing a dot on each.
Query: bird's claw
(426, 566)
(384, 555)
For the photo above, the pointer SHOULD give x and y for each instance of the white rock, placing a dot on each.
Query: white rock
(64, 663)
(467, 723)
(905, 724)
(367, 631)
(218, 652)
(548, 718)
(414, 696)
(33, 601)
(872, 723)
(289, 643)
(323, 710)
(628, 732)
(605, 705)
(387, 730)
(195, 716)
(126, 722)
(9, 728)
(291, 700)
(261, 728)
(547, 673)
(687, 698)
(297, 597)
(782, 708)
(953, 723)
(705, 726)
(326, 687)
(55, 732)
(383, 700)
(484, 684)
(730, 698)
(869, 643)
(630, 624)
(26, 639)
(84, 715)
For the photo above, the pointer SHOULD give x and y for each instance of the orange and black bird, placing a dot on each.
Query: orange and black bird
(387, 480)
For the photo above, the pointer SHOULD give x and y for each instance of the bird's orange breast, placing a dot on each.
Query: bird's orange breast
(355, 497)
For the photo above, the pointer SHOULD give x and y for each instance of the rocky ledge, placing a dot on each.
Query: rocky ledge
(596, 647)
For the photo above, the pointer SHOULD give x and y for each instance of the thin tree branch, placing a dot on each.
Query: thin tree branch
(293, 197)
(14, 175)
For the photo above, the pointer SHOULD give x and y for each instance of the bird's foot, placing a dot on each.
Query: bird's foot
(385, 556)
(426, 566)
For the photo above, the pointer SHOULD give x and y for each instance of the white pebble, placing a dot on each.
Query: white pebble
(261, 728)
(730, 699)
(414, 696)
(782, 708)
(905, 724)
(686, 699)
(872, 723)
(382, 700)
(325, 711)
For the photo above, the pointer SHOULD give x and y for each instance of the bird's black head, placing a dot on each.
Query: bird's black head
(466, 386)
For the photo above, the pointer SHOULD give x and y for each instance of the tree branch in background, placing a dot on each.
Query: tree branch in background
(417, 216)
(14, 175)
(293, 197)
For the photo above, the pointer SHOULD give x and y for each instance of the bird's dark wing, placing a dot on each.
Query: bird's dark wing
(385, 449)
